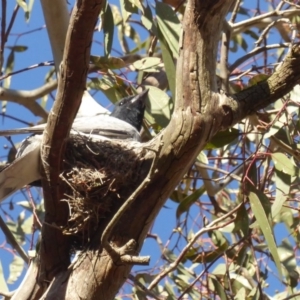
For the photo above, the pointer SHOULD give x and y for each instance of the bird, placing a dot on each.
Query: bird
(123, 123)
(126, 123)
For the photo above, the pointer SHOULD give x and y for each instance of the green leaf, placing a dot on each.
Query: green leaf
(257, 78)
(169, 25)
(104, 63)
(283, 164)
(15, 269)
(108, 29)
(288, 259)
(3, 285)
(221, 244)
(22, 4)
(148, 64)
(218, 287)
(159, 110)
(202, 158)
(103, 84)
(9, 68)
(148, 22)
(170, 290)
(127, 8)
(242, 221)
(137, 4)
(17, 231)
(241, 294)
(252, 174)
(116, 14)
(261, 213)
(18, 48)
(177, 196)
(252, 34)
(223, 138)
(283, 183)
(169, 63)
(238, 40)
(276, 130)
(189, 200)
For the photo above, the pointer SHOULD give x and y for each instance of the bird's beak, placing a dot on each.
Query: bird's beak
(141, 96)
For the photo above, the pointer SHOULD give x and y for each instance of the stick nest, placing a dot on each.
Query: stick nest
(98, 178)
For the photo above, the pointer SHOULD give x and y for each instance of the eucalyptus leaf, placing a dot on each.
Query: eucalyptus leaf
(261, 213)
(223, 138)
(284, 164)
(169, 25)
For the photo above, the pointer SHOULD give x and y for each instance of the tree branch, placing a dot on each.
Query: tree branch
(71, 85)
(246, 102)
(28, 98)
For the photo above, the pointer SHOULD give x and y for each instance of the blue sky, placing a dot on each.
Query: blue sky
(39, 51)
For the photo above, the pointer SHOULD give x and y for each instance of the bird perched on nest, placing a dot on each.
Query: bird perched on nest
(123, 123)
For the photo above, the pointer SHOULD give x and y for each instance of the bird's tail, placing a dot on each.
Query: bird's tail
(22, 171)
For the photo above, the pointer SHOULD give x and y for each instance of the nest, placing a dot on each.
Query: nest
(98, 178)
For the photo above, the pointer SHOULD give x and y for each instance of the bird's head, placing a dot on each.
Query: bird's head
(131, 109)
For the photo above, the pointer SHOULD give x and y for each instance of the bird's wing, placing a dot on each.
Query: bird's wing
(104, 125)
(23, 170)
(90, 107)
(38, 129)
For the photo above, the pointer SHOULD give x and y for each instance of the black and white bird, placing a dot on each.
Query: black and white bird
(123, 123)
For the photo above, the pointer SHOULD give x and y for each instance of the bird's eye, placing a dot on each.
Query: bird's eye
(121, 103)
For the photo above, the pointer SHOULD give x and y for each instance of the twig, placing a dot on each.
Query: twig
(209, 227)
(143, 288)
(235, 11)
(4, 115)
(11, 239)
(207, 267)
(12, 20)
(224, 60)
(3, 37)
(268, 28)
(272, 15)
(255, 52)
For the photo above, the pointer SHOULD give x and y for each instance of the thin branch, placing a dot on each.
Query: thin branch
(264, 19)
(11, 239)
(28, 98)
(235, 11)
(3, 37)
(224, 61)
(269, 27)
(143, 288)
(207, 228)
(12, 20)
(255, 52)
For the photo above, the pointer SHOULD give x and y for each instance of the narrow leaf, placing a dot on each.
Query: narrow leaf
(223, 138)
(3, 285)
(160, 107)
(169, 25)
(284, 164)
(15, 269)
(188, 201)
(169, 64)
(283, 183)
(108, 29)
(261, 216)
